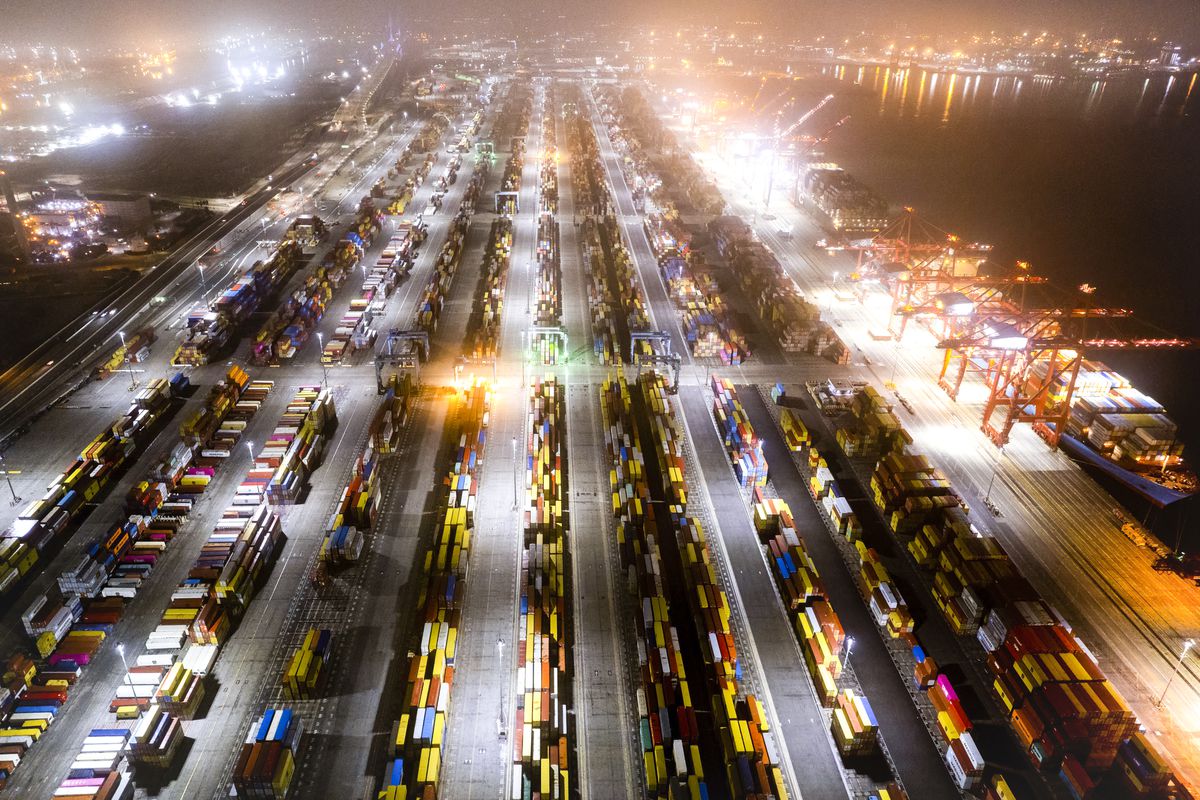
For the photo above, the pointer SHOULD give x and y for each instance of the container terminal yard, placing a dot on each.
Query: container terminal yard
(484, 471)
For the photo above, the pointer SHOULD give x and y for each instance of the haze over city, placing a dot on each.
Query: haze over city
(140, 22)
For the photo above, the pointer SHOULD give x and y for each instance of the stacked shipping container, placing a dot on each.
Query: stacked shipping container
(484, 335)
(42, 522)
(1066, 715)
(541, 734)
(668, 732)
(224, 578)
(751, 765)
(267, 761)
(415, 744)
(70, 629)
(357, 506)
(95, 773)
(742, 446)
(211, 327)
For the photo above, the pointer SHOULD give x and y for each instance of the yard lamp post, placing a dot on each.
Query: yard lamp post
(128, 362)
(324, 372)
(1188, 644)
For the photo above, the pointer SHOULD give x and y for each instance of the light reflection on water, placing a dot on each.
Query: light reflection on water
(911, 92)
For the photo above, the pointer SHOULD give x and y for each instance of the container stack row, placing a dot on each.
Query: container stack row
(615, 295)
(741, 444)
(429, 309)
(829, 496)
(541, 739)
(635, 125)
(30, 699)
(750, 758)
(872, 429)
(890, 612)
(402, 193)
(354, 331)
(548, 174)
(483, 337)
(43, 521)
(68, 631)
(163, 501)
(359, 500)
(134, 350)
(70, 625)
(795, 573)
(854, 727)
(668, 731)
(818, 627)
(155, 738)
(307, 670)
(591, 198)
(629, 298)
(205, 607)
(546, 349)
(795, 432)
(297, 445)
(266, 762)
(95, 773)
(414, 748)
(1067, 716)
(288, 328)
(780, 305)
(218, 425)
(605, 337)
(708, 327)
(211, 327)
(512, 122)
(450, 176)
(887, 605)
(910, 492)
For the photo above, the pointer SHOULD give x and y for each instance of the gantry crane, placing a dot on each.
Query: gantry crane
(1006, 349)
(919, 262)
(781, 134)
(933, 293)
(809, 145)
(909, 241)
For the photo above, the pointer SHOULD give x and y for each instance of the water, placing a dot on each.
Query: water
(1090, 181)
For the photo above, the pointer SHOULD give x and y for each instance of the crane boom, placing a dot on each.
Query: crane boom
(807, 116)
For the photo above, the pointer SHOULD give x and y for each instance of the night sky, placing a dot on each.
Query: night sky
(147, 21)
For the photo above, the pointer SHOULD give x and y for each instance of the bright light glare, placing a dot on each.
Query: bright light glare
(972, 392)
(948, 440)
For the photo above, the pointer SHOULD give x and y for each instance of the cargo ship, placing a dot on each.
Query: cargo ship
(1122, 432)
(841, 203)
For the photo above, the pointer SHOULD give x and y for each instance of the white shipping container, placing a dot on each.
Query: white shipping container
(155, 660)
